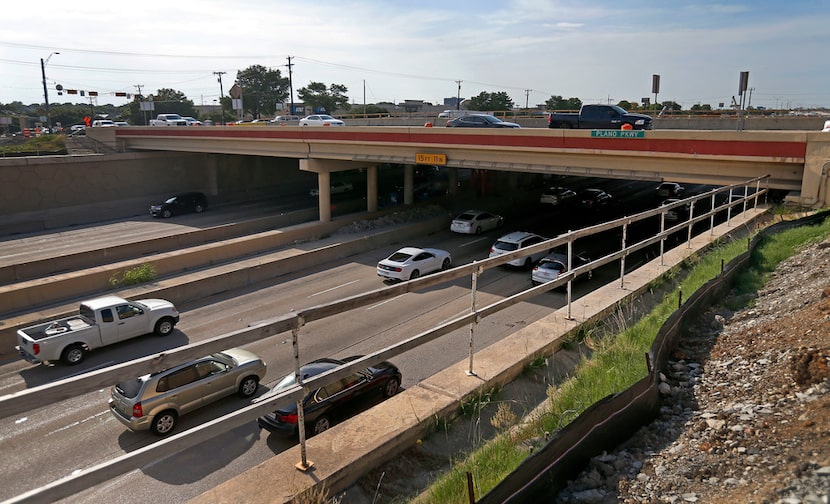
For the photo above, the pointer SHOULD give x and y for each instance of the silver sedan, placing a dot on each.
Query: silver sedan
(409, 263)
(475, 222)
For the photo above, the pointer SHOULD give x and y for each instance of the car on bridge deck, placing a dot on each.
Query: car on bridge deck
(321, 120)
(409, 263)
(480, 121)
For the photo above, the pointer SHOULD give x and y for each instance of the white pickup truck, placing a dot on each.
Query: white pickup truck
(100, 322)
(168, 120)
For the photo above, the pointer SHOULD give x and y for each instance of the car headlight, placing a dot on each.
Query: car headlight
(640, 122)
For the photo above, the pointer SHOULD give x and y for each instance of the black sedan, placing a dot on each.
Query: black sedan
(480, 121)
(179, 204)
(594, 199)
(338, 400)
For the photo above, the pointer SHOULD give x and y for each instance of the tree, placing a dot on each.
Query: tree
(556, 102)
(673, 106)
(328, 99)
(262, 89)
(490, 101)
(699, 107)
(165, 101)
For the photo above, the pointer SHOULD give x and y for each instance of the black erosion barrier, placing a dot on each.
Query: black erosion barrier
(615, 418)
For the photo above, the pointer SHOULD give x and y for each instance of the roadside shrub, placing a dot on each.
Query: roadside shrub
(138, 275)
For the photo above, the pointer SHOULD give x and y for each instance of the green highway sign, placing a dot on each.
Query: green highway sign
(618, 133)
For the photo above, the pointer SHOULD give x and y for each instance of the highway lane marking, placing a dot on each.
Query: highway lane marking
(472, 242)
(384, 302)
(333, 288)
(79, 422)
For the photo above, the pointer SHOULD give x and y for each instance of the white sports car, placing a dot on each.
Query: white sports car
(409, 263)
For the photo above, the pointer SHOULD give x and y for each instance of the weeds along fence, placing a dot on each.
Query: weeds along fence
(718, 202)
(607, 423)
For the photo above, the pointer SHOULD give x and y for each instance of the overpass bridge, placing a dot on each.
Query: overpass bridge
(795, 161)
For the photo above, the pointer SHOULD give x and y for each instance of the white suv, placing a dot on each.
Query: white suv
(515, 241)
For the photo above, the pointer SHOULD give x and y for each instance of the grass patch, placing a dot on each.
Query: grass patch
(617, 361)
(45, 144)
(138, 275)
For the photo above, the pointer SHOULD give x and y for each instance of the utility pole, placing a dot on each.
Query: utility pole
(140, 100)
(45, 92)
(221, 94)
(458, 98)
(290, 88)
(527, 98)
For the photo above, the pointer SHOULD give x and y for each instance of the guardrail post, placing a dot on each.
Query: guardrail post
(304, 464)
(729, 208)
(622, 259)
(691, 224)
(712, 217)
(570, 268)
(473, 324)
(663, 239)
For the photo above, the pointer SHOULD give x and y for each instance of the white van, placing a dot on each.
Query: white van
(103, 123)
(452, 113)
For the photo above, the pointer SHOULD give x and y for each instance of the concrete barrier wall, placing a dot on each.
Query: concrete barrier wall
(38, 193)
(200, 284)
(82, 260)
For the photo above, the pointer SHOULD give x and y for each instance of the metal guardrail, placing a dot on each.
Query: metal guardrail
(36, 397)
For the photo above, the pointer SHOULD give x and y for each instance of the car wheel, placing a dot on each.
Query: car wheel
(320, 425)
(248, 386)
(415, 274)
(166, 214)
(478, 230)
(200, 209)
(391, 388)
(446, 264)
(565, 125)
(73, 354)
(164, 423)
(528, 262)
(164, 326)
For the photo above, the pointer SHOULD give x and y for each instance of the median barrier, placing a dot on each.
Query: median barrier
(204, 282)
(40, 268)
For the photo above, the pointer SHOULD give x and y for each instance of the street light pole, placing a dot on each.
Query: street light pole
(45, 91)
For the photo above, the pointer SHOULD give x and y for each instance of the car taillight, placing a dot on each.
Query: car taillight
(137, 410)
(397, 269)
(36, 348)
(289, 419)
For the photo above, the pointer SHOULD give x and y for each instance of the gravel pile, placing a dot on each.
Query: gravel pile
(745, 416)
(396, 218)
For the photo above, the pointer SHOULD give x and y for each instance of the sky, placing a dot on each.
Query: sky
(599, 51)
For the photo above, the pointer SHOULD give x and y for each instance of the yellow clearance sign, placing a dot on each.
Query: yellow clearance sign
(431, 159)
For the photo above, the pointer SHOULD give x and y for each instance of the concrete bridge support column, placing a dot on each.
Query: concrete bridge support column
(452, 181)
(408, 184)
(324, 198)
(372, 188)
(815, 182)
